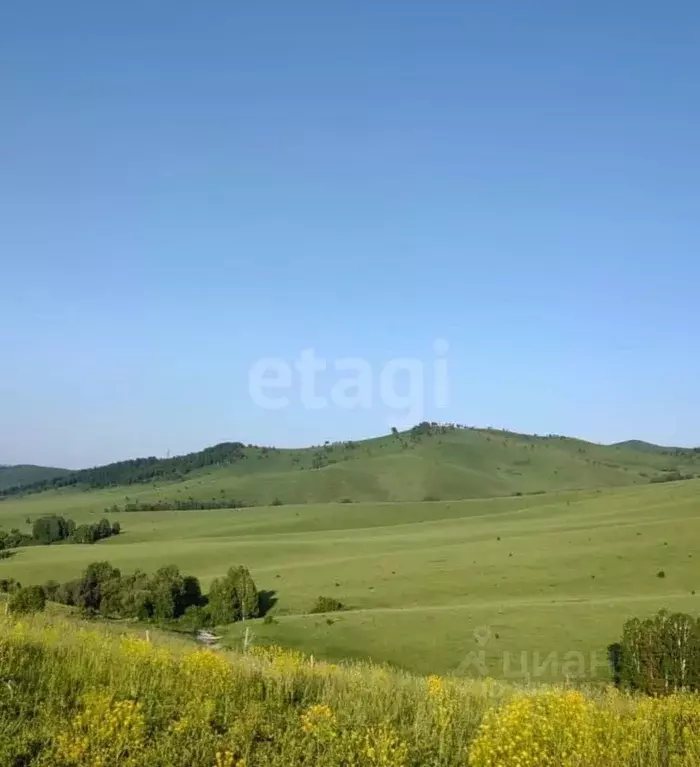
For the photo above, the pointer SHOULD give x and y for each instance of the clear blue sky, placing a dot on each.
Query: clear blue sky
(185, 188)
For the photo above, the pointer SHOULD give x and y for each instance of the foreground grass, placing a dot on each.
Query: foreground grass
(73, 695)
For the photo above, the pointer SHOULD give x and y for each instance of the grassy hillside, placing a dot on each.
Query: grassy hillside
(74, 695)
(15, 476)
(540, 574)
(424, 464)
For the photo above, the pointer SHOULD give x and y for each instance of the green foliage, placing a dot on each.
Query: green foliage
(327, 605)
(84, 534)
(14, 539)
(56, 529)
(30, 599)
(51, 529)
(660, 655)
(94, 583)
(234, 597)
(194, 618)
(9, 585)
(171, 593)
(177, 504)
(165, 596)
(95, 532)
(138, 470)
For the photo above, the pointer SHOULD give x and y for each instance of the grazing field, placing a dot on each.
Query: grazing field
(460, 587)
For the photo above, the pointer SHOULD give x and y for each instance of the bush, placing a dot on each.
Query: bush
(327, 605)
(9, 585)
(51, 589)
(31, 599)
(194, 618)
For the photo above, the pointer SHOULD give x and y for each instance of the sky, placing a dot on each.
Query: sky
(188, 189)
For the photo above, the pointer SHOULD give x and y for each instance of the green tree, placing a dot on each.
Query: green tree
(103, 529)
(84, 534)
(31, 599)
(660, 655)
(93, 583)
(172, 593)
(233, 597)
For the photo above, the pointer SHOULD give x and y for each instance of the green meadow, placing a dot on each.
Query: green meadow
(447, 587)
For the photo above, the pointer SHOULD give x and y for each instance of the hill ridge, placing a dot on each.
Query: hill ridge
(431, 461)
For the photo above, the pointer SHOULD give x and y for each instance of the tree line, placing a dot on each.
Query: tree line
(185, 504)
(54, 529)
(164, 597)
(138, 470)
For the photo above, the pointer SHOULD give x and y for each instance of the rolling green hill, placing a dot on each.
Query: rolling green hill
(429, 462)
(17, 476)
(558, 572)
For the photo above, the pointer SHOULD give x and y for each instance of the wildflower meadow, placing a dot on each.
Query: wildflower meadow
(73, 695)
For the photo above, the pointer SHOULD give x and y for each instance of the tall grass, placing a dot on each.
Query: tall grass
(74, 695)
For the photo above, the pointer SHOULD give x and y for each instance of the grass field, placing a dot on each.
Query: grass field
(554, 573)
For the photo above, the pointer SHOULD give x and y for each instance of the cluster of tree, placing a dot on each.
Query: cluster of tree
(165, 596)
(660, 655)
(138, 470)
(55, 529)
(671, 476)
(186, 504)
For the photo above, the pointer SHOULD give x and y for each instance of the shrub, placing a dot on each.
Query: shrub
(9, 585)
(30, 599)
(327, 605)
(194, 618)
(51, 590)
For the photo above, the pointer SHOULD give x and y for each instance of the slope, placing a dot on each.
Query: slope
(429, 462)
(22, 475)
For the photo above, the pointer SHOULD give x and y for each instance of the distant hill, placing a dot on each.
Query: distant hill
(649, 447)
(428, 462)
(13, 476)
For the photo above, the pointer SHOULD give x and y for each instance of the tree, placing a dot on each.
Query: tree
(103, 529)
(93, 583)
(51, 589)
(172, 593)
(233, 597)
(30, 599)
(84, 534)
(67, 593)
(116, 528)
(660, 655)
